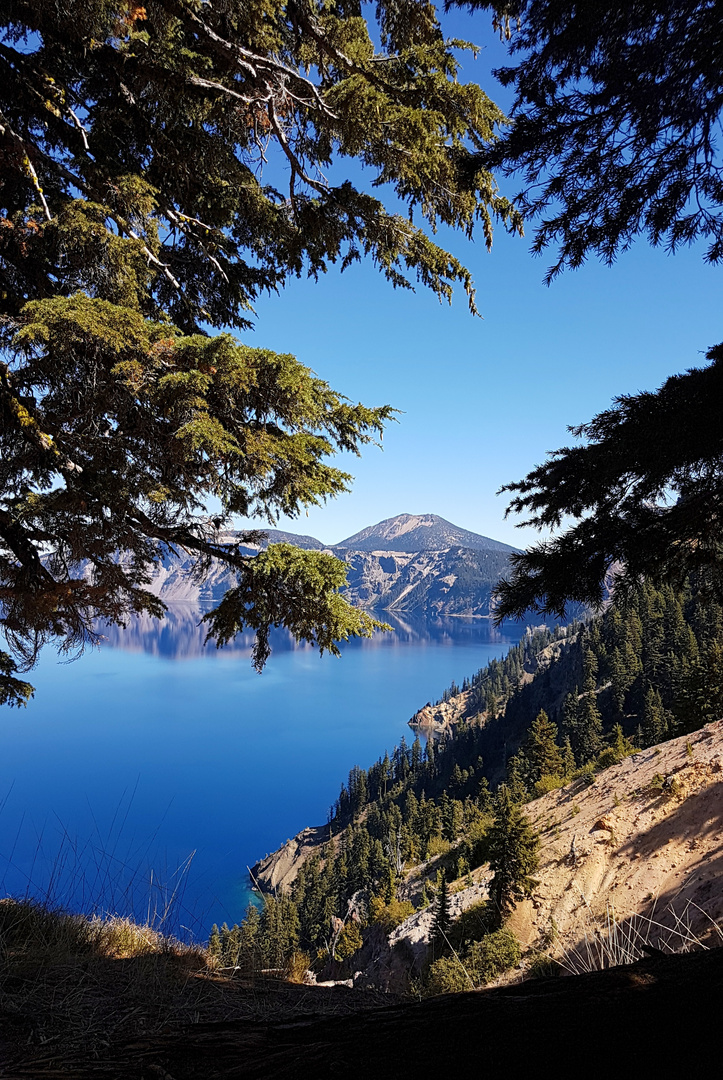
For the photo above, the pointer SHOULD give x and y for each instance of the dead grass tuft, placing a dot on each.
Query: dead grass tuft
(74, 988)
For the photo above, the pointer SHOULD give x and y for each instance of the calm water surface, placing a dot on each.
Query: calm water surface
(153, 747)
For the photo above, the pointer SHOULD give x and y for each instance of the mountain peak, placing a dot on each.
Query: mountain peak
(419, 532)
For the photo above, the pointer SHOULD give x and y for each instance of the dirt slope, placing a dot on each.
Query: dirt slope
(629, 844)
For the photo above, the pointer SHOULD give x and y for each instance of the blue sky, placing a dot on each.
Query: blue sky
(483, 400)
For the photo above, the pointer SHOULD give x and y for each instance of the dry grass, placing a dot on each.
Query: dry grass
(75, 989)
(612, 941)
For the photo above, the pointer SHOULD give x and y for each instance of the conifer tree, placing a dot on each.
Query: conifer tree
(541, 749)
(416, 754)
(442, 919)
(617, 113)
(655, 724)
(512, 855)
(588, 735)
(164, 165)
(214, 942)
(568, 759)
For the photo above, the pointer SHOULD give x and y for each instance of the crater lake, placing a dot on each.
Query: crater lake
(148, 774)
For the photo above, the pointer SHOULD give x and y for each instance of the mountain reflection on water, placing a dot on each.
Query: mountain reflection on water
(181, 634)
(128, 760)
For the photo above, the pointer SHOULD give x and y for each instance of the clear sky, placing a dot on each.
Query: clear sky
(483, 400)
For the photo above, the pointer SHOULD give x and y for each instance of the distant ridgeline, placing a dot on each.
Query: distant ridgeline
(560, 706)
(410, 563)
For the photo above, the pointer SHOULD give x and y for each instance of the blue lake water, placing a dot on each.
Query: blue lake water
(152, 748)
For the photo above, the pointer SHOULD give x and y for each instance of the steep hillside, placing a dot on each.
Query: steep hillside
(628, 865)
(458, 581)
(645, 839)
(599, 729)
(419, 532)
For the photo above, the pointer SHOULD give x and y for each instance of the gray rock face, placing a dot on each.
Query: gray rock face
(457, 581)
(279, 869)
(428, 567)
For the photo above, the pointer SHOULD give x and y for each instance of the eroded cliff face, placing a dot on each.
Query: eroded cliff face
(642, 843)
(278, 870)
(456, 581)
(432, 721)
(639, 848)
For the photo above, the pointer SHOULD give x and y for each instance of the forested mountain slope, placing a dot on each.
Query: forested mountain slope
(558, 711)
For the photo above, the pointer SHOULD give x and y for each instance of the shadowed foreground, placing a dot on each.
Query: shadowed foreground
(655, 1015)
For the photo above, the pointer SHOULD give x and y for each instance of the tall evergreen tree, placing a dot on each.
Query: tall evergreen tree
(617, 114)
(513, 857)
(541, 749)
(442, 918)
(135, 216)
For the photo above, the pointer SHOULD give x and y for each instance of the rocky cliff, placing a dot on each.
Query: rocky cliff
(413, 563)
(456, 581)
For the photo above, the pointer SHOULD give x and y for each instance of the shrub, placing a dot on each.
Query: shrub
(350, 941)
(542, 966)
(472, 925)
(448, 976)
(585, 774)
(297, 967)
(547, 783)
(484, 961)
(607, 758)
(437, 846)
(493, 955)
(475, 844)
(663, 785)
(389, 916)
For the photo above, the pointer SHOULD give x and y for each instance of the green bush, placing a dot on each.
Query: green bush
(472, 925)
(475, 843)
(447, 976)
(389, 916)
(547, 783)
(484, 961)
(493, 955)
(350, 941)
(585, 774)
(542, 966)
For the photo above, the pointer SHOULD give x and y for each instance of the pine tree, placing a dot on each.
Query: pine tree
(655, 724)
(644, 488)
(541, 749)
(484, 795)
(416, 755)
(214, 942)
(136, 218)
(442, 919)
(568, 759)
(588, 736)
(512, 855)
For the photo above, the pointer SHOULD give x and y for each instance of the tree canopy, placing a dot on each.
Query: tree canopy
(646, 490)
(616, 133)
(162, 166)
(616, 127)
(512, 850)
